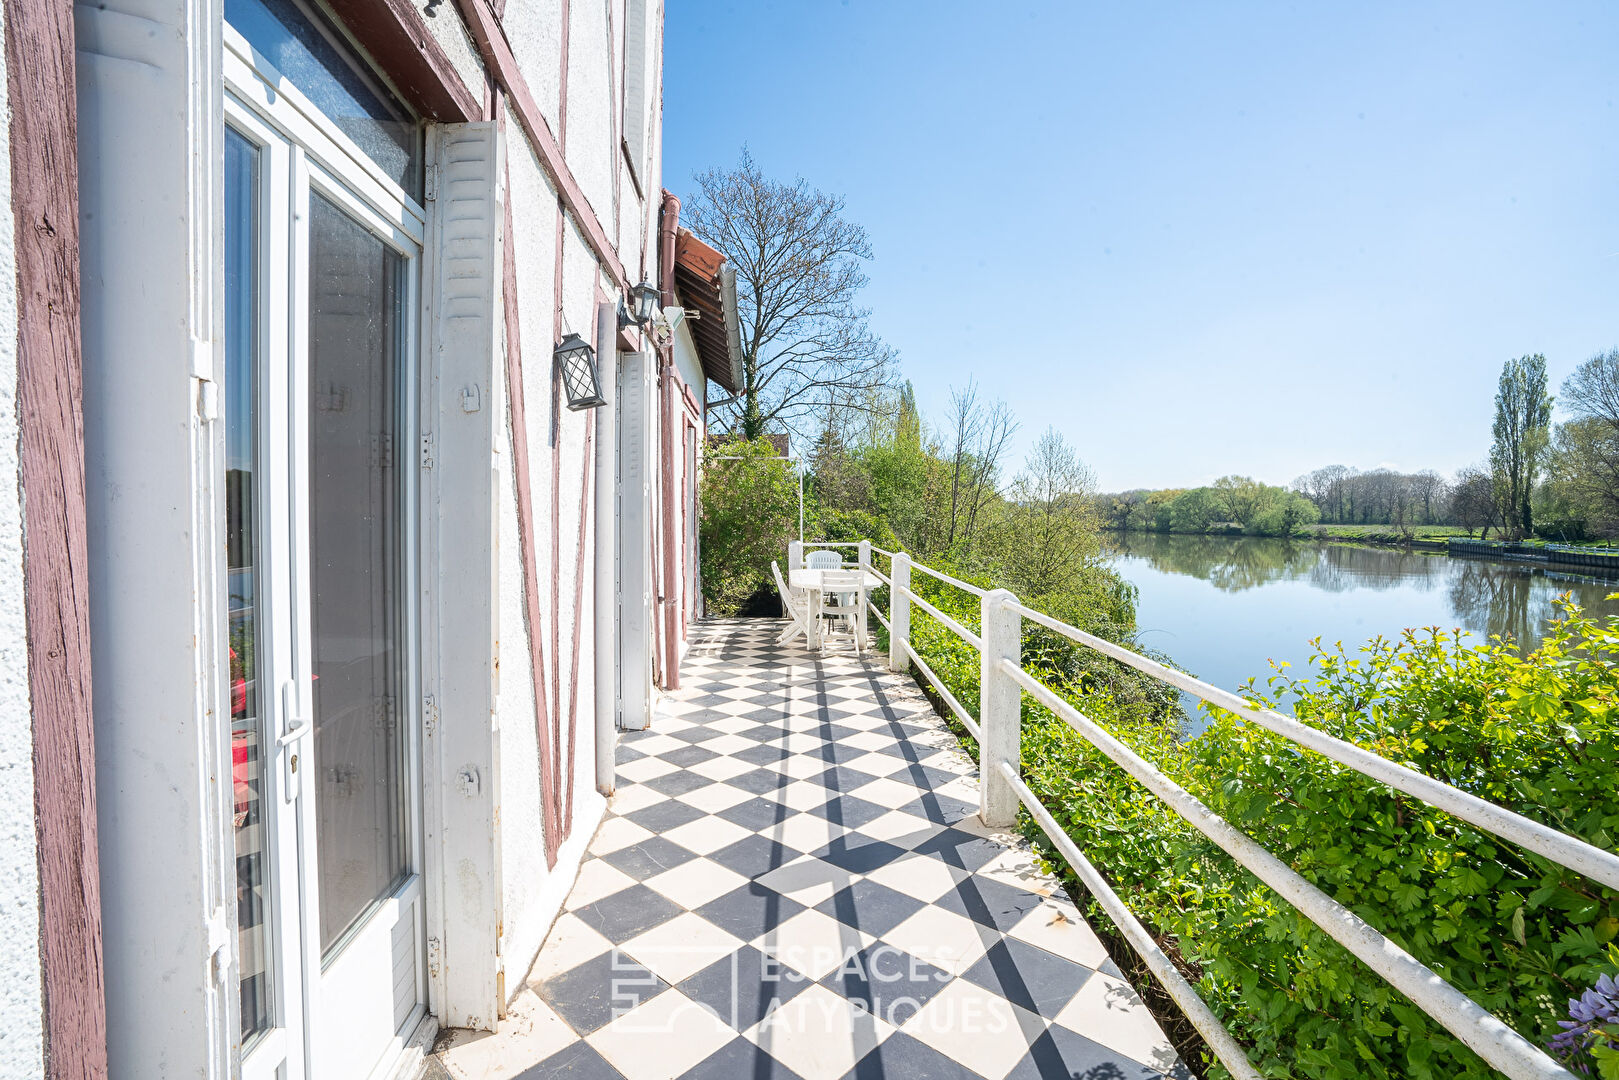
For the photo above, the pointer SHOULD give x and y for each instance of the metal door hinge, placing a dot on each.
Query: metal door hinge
(427, 450)
(432, 956)
(430, 715)
(430, 183)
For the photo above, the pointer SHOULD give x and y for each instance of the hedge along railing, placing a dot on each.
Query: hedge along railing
(1003, 681)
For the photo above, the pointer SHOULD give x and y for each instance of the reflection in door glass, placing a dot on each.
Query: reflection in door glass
(247, 749)
(355, 541)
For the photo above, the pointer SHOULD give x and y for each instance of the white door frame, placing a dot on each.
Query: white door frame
(307, 156)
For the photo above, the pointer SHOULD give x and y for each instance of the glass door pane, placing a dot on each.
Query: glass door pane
(249, 753)
(356, 308)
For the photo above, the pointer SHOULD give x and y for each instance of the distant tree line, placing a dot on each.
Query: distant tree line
(1556, 482)
(1232, 504)
(1346, 496)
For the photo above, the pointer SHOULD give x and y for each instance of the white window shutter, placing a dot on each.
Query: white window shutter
(462, 282)
(635, 467)
(635, 98)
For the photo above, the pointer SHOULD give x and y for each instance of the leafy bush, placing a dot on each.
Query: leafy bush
(1520, 935)
(845, 525)
(749, 515)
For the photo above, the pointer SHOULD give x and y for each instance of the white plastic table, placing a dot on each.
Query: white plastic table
(811, 582)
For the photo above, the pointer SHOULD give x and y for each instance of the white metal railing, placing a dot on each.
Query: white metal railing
(1003, 681)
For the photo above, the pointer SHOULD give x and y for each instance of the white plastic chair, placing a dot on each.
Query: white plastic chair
(827, 559)
(795, 606)
(846, 585)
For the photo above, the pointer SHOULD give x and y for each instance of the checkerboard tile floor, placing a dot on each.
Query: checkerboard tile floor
(792, 883)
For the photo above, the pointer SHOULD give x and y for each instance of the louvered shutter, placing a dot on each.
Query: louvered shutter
(460, 574)
(635, 465)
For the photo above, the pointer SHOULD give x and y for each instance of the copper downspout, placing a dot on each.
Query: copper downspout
(668, 222)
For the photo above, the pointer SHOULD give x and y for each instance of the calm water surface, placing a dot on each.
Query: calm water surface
(1224, 607)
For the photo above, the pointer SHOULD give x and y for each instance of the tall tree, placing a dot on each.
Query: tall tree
(1522, 430)
(1587, 446)
(1048, 538)
(806, 346)
(978, 436)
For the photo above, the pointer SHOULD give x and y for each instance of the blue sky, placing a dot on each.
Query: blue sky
(1195, 238)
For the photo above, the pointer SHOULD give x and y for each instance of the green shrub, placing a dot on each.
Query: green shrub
(1520, 935)
(749, 515)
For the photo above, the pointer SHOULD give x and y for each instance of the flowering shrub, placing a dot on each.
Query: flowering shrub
(1589, 1041)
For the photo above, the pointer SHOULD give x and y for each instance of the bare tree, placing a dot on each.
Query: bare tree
(1430, 490)
(806, 345)
(1592, 392)
(978, 436)
(1049, 536)
(1472, 499)
(1587, 446)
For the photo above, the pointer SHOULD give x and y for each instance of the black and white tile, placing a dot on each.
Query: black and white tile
(792, 882)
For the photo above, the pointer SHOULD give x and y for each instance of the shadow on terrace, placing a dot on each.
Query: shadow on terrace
(793, 881)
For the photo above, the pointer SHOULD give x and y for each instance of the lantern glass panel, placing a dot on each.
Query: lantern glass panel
(577, 361)
(645, 300)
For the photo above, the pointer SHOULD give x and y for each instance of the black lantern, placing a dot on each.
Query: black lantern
(578, 363)
(642, 306)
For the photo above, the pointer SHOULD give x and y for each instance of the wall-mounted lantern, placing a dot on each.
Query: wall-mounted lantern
(641, 307)
(578, 363)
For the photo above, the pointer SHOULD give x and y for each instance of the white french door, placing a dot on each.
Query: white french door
(323, 254)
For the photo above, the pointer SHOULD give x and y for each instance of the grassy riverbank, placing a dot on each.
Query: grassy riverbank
(1381, 534)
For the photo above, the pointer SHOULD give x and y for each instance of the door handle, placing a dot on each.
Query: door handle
(296, 729)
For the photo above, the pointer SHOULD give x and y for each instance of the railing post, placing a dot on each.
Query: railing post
(795, 555)
(899, 613)
(1000, 708)
(863, 561)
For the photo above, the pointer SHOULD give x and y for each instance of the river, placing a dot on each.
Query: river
(1223, 607)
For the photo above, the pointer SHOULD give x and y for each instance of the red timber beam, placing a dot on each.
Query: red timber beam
(45, 204)
(393, 32)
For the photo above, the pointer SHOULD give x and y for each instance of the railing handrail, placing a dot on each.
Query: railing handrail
(1559, 847)
(960, 631)
(1489, 1037)
(1463, 1017)
(957, 582)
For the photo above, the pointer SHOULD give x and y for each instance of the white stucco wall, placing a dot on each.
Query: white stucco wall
(532, 893)
(534, 29)
(592, 105)
(690, 368)
(22, 1050)
(444, 23)
(687, 362)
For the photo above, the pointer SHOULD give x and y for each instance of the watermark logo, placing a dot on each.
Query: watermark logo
(754, 987)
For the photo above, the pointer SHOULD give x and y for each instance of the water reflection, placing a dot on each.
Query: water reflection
(1224, 607)
(1235, 563)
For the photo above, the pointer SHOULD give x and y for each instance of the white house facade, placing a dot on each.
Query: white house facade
(353, 374)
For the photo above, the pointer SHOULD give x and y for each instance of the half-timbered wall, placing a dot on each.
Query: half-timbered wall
(22, 1052)
(575, 91)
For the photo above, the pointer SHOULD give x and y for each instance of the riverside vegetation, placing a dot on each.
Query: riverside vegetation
(1533, 731)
